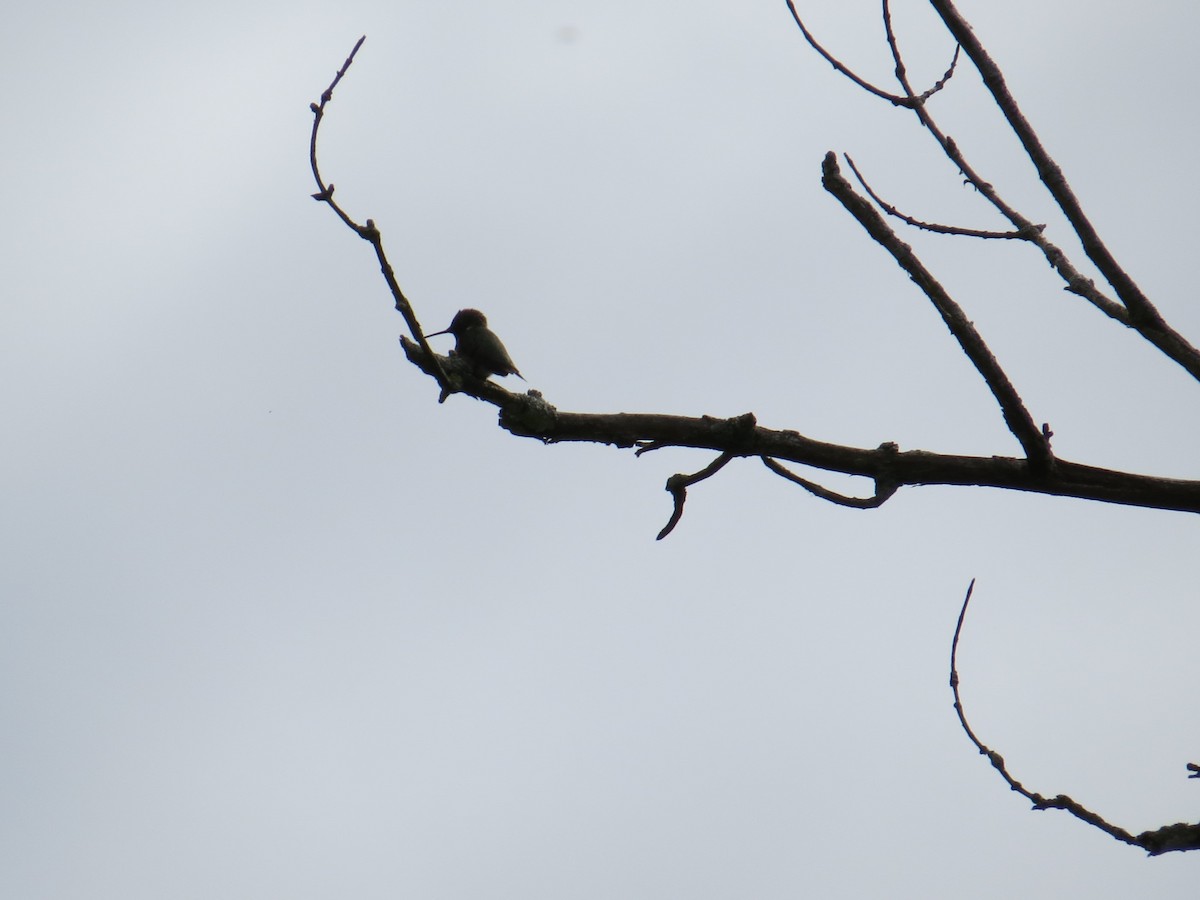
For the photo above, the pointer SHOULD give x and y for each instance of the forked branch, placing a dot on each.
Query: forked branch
(1132, 307)
(910, 101)
(1143, 315)
(1016, 416)
(531, 415)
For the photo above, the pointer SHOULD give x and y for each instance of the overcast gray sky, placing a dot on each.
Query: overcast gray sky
(273, 623)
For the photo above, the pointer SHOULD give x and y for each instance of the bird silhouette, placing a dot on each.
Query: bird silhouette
(478, 346)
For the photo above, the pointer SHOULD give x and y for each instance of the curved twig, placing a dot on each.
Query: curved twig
(932, 226)
(883, 488)
(678, 484)
(325, 191)
(894, 99)
(370, 233)
(1180, 836)
(997, 761)
(946, 76)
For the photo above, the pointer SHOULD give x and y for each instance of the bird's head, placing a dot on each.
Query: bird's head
(463, 320)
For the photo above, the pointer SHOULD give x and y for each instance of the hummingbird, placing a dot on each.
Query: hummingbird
(475, 344)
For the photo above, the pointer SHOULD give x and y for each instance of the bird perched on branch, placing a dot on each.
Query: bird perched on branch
(475, 344)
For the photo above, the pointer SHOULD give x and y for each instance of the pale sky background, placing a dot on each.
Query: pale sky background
(275, 624)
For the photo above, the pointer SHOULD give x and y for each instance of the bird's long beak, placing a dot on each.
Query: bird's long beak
(436, 333)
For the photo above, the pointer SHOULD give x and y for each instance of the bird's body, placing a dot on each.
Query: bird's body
(476, 345)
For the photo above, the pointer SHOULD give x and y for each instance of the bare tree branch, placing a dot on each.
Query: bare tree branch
(529, 415)
(1134, 309)
(1143, 315)
(369, 232)
(1075, 281)
(1017, 417)
(1051, 175)
(844, 69)
(1181, 836)
(895, 99)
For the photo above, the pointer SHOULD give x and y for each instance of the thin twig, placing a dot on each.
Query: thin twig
(370, 233)
(325, 191)
(678, 484)
(932, 226)
(946, 143)
(914, 100)
(894, 99)
(883, 490)
(841, 67)
(1075, 281)
(1039, 802)
(944, 80)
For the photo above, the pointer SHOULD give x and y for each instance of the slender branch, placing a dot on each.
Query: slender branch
(325, 191)
(931, 226)
(883, 489)
(946, 76)
(997, 761)
(901, 70)
(370, 233)
(1075, 281)
(1017, 417)
(841, 67)
(1180, 836)
(894, 99)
